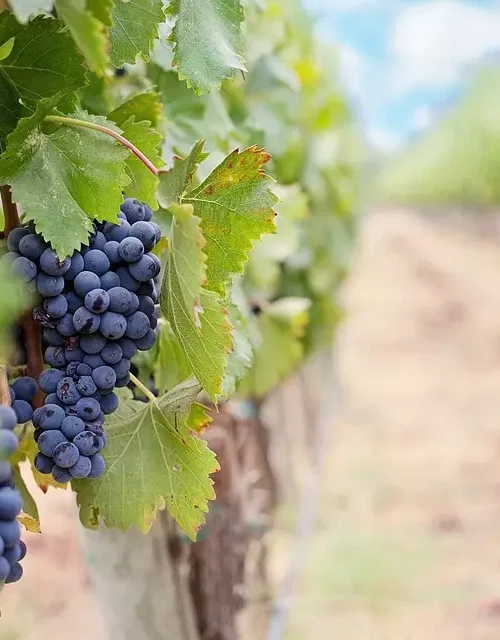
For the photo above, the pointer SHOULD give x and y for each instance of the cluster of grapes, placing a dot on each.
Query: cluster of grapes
(12, 548)
(98, 308)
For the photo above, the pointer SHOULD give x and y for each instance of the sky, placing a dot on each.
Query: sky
(405, 61)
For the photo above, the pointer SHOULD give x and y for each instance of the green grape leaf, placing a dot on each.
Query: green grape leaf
(171, 366)
(196, 315)
(144, 106)
(15, 298)
(279, 349)
(143, 183)
(74, 173)
(241, 357)
(199, 417)
(101, 9)
(25, 9)
(207, 41)
(42, 49)
(88, 32)
(135, 26)
(29, 516)
(234, 203)
(152, 458)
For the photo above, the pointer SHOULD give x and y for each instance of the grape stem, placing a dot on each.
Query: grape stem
(74, 122)
(143, 388)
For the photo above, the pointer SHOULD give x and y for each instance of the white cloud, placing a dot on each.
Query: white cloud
(435, 42)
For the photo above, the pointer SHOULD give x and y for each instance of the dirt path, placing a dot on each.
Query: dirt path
(408, 542)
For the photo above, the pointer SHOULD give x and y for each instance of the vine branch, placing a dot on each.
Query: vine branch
(74, 122)
(11, 214)
(4, 386)
(143, 388)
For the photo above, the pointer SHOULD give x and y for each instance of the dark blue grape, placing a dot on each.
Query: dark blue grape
(8, 443)
(109, 403)
(10, 503)
(61, 475)
(23, 410)
(54, 356)
(8, 418)
(65, 325)
(104, 377)
(131, 249)
(88, 408)
(146, 289)
(128, 347)
(126, 280)
(85, 281)
(95, 426)
(51, 398)
(13, 554)
(86, 386)
(121, 368)
(5, 473)
(4, 568)
(113, 325)
(48, 380)
(153, 322)
(137, 325)
(87, 443)
(66, 454)
(97, 300)
(24, 269)
(37, 432)
(71, 369)
(15, 574)
(84, 369)
(53, 337)
(110, 280)
(49, 440)
(85, 321)
(144, 269)
(133, 209)
(157, 232)
(111, 250)
(96, 261)
(52, 264)
(14, 238)
(118, 231)
(82, 468)
(145, 232)
(50, 416)
(55, 307)
(10, 531)
(67, 391)
(23, 550)
(72, 426)
(120, 300)
(74, 355)
(97, 466)
(25, 388)
(94, 361)
(112, 353)
(32, 246)
(98, 241)
(76, 266)
(93, 344)
(122, 382)
(12, 395)
(74, 301)
(146, 305)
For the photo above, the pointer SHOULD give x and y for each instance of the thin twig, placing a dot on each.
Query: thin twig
(143, 388)
(308, 501)
(74, 122)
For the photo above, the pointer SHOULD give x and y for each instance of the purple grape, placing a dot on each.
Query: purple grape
(112, 353)
(146, 305)
(94, 361)
(25, 388)
(74, 355)
(85, 281)
(50, 416)
(111, 250)
(97, 466)
(54, 356)
(98, 241)
(66, 454)
(126, 280)
(61, 475)
(10, 503)
(120, 300)
(145, 232)
(104, 377)
(121, 368)
(65, 325)
(82, 468)
(72, 426)
(133, 209)
(52, 265)
(110, 280)
(96, 261)
(15, 237)
(53, 337)
(55, 307)
(8, 443)
(87, 443)
(76, 266)
(24, 269)
(88, 408)
(49, 440)
(122, 382)
(32, 246)
(8, 418)
(128, 347)
(145, 269)
(84, 369)
(113, 325)
(86, 386)
(85, 321)
(97, 300)
(74, 301)
(116, 232)
(48, 380)
(93, 344)
(131, 249)
(67, 391)
(109, 403)
(23, 411)
(137, 325)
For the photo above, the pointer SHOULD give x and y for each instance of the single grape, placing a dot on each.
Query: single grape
(95, 426)
(117, 232)
(109, 280)
(94, 361)
(98, 241)
(53, 337)
(157, 232)
(43, 463)
(145, 232)
(146, 289)
(93, 343)
(25, 388)
(4, 568)
(74, 301)
(23, 410)
(5, 473)
(15, 574)
(133, 209)
(83, 370)
(85, 281)
(66, 326)
(120, 300)
(121, 368)
(71, 370)
(14, 238)
(113, 325)
(67, 391)
(52, 398)
(112, 353)
(85, 321)
(13, 554)
(10, 531)
(8, 443)
(109, 403)
(144, 269)
(55, 307)
(87, 442)
(126, 280)
(23, 550)
(86, 386)
(82, 468)
(146, 305)
(61, 475)
(111, 250)
(49, 440)
(153, 322)
(74, 355)
(128, 347)
(48, 380)
(97, 466)
(54, 356)
(10, 503)
(72, 426)
(52, 264)
(88, 408)
(96, 261)
(66, 454)
(137, 325)
(131, 249)
(122, 382)
(8, 418)
(24, 269)
(32, 246)
(50, 416)
(76, 266)
(97, 300)
(104, 377)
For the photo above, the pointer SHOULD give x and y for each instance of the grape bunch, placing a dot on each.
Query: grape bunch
(98, 308)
